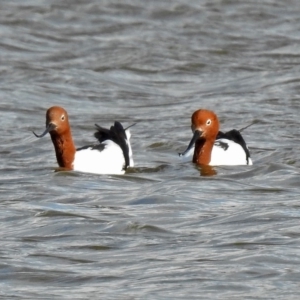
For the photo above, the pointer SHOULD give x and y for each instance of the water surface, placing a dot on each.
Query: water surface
(162, 231)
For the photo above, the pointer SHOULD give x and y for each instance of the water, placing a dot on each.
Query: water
(162, 231)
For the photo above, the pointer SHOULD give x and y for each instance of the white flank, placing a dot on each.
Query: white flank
(128, 135)
(233, 155)
(108, 161)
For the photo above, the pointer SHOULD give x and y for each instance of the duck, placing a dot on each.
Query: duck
(213, 147)
(111, 155)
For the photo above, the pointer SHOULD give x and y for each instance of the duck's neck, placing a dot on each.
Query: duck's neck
(64, 149)
(202, 153)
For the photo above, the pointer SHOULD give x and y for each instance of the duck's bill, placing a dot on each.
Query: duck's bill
(196, 136)
(49, 128)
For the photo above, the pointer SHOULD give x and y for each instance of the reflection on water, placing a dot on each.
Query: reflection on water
(231, 232)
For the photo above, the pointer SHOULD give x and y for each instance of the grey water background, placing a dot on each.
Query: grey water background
(162, 231)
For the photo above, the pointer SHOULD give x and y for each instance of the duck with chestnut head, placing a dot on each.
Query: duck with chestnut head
(213, 147)
(111, 155)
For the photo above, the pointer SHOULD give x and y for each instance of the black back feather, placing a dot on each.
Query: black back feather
(235, 136)
(98, 147)
(117, 134)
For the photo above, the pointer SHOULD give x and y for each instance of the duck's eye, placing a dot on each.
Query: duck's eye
(208, 122)
(63, 117)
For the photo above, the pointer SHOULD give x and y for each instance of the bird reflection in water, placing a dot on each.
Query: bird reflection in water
(206, 170)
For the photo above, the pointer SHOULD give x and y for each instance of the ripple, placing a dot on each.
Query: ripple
(222, 232)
